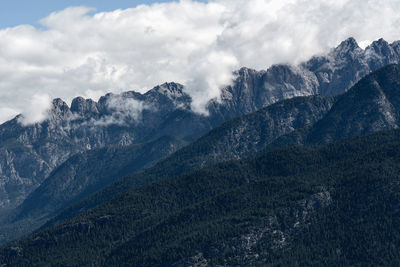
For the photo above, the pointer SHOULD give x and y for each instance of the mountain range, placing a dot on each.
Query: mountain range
(29, 153)
(290, 122)
(134, 178)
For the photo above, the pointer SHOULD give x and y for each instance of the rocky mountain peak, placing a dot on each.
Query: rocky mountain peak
(347, 47)
(381, 48)
(59, 108)
(103, 99)
(59, 103)
(396, 47)
(171, 90)
(245, 72)
(83, 106)
(348, 44)
(380, 42)
(167, 97)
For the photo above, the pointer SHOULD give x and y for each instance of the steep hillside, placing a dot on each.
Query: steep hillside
(371, 105)
(77, 178)
(244, 213)
(89, 171)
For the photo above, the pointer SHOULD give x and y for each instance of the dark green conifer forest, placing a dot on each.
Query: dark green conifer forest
(332, 205)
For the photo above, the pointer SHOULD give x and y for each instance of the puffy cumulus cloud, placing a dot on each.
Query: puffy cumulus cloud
(77, 51)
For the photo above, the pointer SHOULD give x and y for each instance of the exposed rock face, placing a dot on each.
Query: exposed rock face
(28, 154)
(254, 90)
(83, 107)
(330, 74)
(348, 63)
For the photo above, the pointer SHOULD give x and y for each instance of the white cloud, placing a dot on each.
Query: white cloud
(31, 111)
(81, 52)
(123, 109)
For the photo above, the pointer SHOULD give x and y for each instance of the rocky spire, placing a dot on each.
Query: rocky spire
(83, 106)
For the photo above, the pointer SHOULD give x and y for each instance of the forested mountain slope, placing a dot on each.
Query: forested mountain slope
(323, 205)
(77, 178)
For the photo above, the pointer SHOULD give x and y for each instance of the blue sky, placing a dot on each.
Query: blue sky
(17, 12)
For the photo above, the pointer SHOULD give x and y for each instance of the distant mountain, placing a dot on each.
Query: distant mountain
(28, 154)
(334, 205)
(371, 105)
(329, 74)
(298, 121)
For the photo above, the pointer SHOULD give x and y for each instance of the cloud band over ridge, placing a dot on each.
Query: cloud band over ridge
(78, 52)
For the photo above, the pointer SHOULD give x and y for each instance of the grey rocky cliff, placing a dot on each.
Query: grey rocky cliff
(329, 74)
